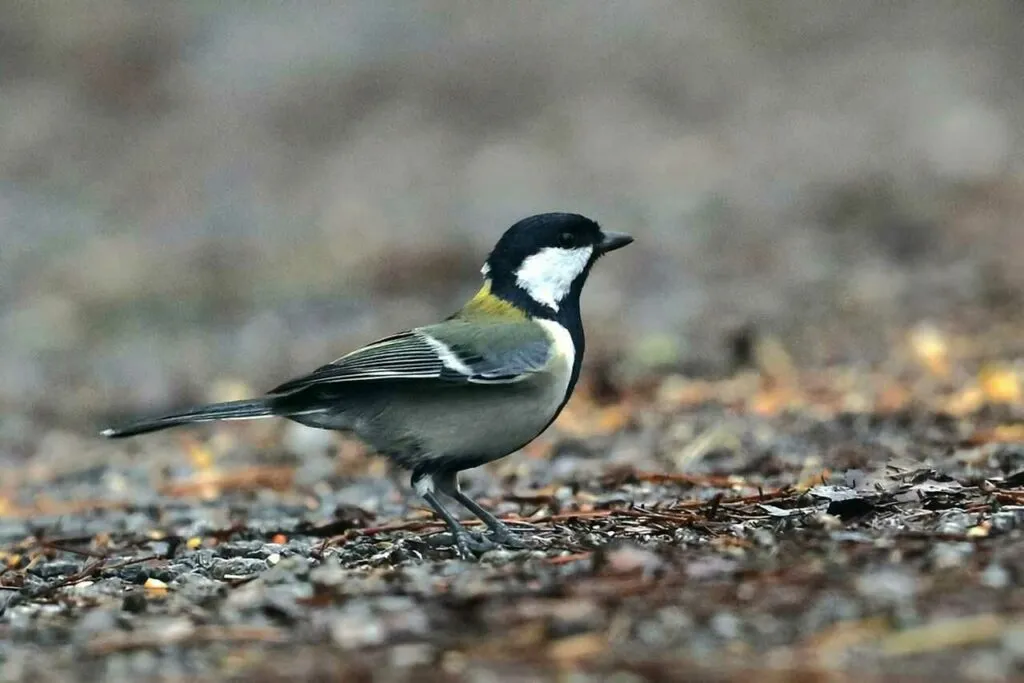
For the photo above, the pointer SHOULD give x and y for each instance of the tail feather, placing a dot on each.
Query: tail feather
(231, 410)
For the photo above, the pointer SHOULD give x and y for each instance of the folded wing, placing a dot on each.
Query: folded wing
(489, 354)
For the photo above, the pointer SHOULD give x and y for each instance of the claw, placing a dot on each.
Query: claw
(468, 545)
(502, 535)
(512, 541)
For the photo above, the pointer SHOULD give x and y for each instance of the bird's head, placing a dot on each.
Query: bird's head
(541, 262)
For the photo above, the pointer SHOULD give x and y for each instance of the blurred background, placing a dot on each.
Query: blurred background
(195, 194)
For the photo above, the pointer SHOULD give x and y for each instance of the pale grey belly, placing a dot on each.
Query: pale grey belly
(454, 426)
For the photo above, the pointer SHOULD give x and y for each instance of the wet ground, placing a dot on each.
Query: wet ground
(774, 522)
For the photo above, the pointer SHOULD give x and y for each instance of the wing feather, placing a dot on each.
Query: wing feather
(484, 357)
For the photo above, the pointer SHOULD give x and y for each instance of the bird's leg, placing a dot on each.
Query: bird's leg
(465, 544)
(448, 483)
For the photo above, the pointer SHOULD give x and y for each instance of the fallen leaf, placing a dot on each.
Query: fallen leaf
(1000, 383)
(566, 651)
(930, 348)
(944, 634)
(155, 585)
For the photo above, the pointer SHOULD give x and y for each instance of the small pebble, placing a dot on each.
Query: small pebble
(55, 568)
(136, 574)
(236, 568)
(134, 602)
(1010, 517)
(951, 555)
(410, 654)
(995, 576)
(352, 631)
(956, 522)
(727, 625)
(887, 586)
(329, 574)
(628, 558)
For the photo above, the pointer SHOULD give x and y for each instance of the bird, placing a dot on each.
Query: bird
(473, 388)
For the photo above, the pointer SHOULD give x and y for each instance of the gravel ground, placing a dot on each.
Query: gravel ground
(775, 522)
(775, 469)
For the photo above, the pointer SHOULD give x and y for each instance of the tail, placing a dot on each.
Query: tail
(232, 410)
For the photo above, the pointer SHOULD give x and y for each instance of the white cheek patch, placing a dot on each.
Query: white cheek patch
(547, 276)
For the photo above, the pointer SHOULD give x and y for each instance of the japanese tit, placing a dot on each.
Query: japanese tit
(473, 388)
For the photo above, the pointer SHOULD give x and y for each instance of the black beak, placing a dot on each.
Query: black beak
(612, 241)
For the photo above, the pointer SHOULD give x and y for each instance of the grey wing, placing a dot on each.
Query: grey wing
(402, 356)
(417, 354)
(496, 366)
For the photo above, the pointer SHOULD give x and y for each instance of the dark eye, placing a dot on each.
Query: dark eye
(567, 240)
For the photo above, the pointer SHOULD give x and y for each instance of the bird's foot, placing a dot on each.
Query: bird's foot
(502, 535)
(468, 544)
(471, 544)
